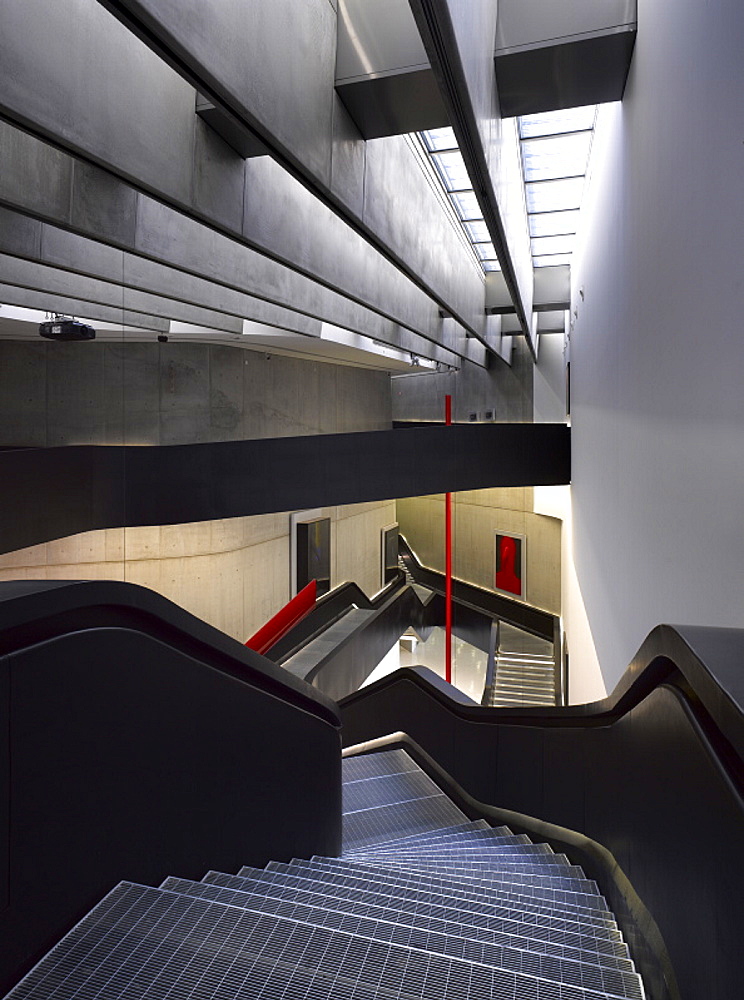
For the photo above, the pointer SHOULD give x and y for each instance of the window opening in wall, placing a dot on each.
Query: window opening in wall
(555, 148)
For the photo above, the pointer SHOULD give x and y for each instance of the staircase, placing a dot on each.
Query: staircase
(522, 679)
(403, 565)
(423, 904)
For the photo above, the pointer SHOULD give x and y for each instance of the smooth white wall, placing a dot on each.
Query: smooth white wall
(585, 681)
(657, 348)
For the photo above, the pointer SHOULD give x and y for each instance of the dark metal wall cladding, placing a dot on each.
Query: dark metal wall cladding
(648, 784)
(54, 492)
(131, 759)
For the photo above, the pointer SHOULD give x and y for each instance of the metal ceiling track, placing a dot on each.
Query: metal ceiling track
(438, 34)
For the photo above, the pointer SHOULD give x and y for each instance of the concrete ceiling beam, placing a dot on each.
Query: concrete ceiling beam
(50, 281)
(162, 148)
(67, 305)
(54, 188)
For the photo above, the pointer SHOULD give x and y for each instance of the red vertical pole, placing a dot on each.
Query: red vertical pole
(448, 564)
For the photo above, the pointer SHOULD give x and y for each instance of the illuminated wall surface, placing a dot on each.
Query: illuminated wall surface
(363, 281)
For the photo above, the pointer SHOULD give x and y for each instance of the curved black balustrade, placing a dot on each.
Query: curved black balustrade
(654, 773)
(523, 616)
(136, 741)
(327, 610)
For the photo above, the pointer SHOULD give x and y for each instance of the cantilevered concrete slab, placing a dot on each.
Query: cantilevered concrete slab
(562, 55)
(53, 187)
(383, 74)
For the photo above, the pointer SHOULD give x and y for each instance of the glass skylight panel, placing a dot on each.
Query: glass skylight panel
(555, 148)
(452, 168)
(547, 196)
(554, 122)
(552, 244)
(557, 156)
(550, 260)
(467, 205)
(554, 223)
(485, 251)
(477, 231)
(449, 166)
(439, 138)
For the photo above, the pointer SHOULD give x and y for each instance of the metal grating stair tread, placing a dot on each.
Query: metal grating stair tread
(413, 816)
(439, 894)
(560, 969)
(424, 902)
(454, 881)
(446, 836)
(376, 765)
(536, 932)
(255, 896)
(215, 950)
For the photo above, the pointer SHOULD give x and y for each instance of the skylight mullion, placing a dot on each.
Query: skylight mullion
(555, 135)
(552, 180)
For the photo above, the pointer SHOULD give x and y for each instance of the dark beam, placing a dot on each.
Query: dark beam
(92, 487)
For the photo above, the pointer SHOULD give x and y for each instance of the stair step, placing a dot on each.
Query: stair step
(375, 765)
(520, 690)
(504, 875)
(525, 657)
(210, 944)
(422, 920)
(515, 701)
(424, 902)
(455, 943)
(508, 890)
(477, 838)
(476, 826)
(416, 816)
(583, 934)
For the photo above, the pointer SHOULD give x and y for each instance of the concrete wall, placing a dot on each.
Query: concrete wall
(234, 573)
(477, 516)
(151, 393)
(549, 395)
(656, 350)
(161, 147)
(507, 390)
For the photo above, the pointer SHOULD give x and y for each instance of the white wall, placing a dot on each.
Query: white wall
(585, 681)
(657, 352)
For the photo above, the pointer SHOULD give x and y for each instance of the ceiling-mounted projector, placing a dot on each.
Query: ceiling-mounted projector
(62, 328)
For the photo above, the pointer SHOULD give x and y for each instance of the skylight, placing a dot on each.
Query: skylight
(441, 145)
(555, 149)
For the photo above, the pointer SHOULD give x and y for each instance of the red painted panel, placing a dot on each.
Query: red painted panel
(283, 620)
(448, 564)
